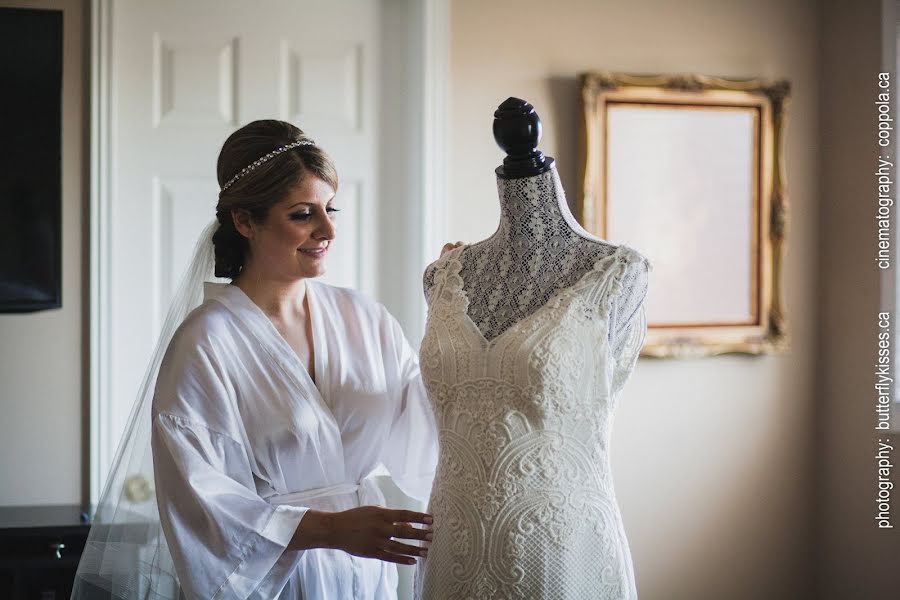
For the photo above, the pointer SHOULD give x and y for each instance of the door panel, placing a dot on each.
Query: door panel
(184, 76)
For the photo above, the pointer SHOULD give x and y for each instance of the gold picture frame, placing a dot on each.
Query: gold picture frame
(690, 170)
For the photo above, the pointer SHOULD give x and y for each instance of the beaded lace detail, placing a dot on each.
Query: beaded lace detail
(539, 249)
(523, 497)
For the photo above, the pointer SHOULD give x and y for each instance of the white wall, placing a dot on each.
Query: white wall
(42, 355)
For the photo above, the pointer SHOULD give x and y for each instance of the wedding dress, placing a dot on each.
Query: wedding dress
(523, 499)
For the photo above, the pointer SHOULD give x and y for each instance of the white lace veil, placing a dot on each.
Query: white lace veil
(126, 555)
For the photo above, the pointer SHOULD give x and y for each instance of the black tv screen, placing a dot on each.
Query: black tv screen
(31, 47)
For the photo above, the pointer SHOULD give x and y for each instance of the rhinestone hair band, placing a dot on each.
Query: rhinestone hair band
(263, 159)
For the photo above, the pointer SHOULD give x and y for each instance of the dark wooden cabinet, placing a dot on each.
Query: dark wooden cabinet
(39, 550)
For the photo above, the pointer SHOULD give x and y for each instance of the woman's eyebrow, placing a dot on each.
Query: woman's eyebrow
(310, 203)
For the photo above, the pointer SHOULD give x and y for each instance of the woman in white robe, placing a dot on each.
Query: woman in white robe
(244, 442)
(279, 397)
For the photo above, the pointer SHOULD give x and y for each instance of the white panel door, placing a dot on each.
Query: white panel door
(184, 75)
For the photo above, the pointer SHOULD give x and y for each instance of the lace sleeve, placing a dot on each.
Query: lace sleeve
(624, 309)
(628, 321)
(428, 281)
(630, 350)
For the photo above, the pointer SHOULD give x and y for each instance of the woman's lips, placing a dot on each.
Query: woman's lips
(315, 253)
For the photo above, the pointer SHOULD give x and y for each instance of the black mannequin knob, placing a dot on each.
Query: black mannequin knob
(517, 130)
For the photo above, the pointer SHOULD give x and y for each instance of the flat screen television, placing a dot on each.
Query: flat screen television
(31, 53)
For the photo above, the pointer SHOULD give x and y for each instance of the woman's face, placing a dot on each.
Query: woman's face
(293, 241)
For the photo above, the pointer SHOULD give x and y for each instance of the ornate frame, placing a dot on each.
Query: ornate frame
(768, 333)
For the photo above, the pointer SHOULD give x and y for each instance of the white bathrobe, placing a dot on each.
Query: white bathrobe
(244, 443)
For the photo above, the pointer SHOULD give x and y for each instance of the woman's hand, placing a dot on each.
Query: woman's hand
(368, 531)
(448, 247)
(365, 531)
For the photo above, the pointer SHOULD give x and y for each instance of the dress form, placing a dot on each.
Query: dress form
(539, 248)
(519, 365)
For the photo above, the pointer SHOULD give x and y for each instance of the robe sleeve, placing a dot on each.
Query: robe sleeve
(411, 451)
(225, 540)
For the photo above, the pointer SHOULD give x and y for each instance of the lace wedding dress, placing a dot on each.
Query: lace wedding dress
(523, 497)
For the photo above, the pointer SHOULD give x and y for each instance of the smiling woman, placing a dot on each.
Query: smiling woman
(276, 400)
(293, 239)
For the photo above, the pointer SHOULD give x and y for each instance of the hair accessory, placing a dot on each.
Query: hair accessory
(261, 160)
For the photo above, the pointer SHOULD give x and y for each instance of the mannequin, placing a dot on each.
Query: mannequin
(524, 370)
(539, 248)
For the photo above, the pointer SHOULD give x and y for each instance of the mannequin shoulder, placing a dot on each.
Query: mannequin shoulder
(433, 268)
(635, 278)
(636, 261)
(631, 276)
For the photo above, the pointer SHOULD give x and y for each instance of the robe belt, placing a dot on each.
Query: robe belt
(367, 491)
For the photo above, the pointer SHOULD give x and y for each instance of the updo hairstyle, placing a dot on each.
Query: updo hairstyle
(258, 190)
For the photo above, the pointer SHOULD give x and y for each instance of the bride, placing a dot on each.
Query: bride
(266, 410)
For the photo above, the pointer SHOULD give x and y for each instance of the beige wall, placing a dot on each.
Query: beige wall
(856, 559)
(713, 458)
(42, 364)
